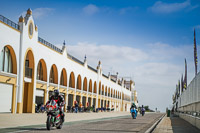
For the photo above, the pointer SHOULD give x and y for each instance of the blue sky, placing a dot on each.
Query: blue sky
(147, 40)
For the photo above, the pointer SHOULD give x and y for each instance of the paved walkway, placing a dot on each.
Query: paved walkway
(175, 125)
(16, 120)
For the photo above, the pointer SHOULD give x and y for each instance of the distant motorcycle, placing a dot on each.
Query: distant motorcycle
(142, 111)
(133, 113)
(53, 115)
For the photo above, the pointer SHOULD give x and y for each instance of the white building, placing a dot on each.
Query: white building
(31, 68)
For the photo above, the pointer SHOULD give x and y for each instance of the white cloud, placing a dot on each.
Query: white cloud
(161, 7)
(40, 12)
(197, 27)
(127, 10)
(90, 9)
(156, 68)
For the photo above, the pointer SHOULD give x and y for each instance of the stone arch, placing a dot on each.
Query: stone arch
(41, 70)
(78, 85)
(72, 80)
(63, 77)
(53, 77)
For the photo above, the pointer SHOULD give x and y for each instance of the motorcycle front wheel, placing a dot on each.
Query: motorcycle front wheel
(48, 124)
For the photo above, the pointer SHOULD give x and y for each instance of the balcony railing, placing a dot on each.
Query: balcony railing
(9, 22)
(28, 72)
(49, 45)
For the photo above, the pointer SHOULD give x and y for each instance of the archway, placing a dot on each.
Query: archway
(85, 84)
(78, 85)
(53, 78)
(72, 80)
(63, 77)
(95, 87)
(28, 86)
(90, 86)
(102, 90)
(42, 70)
(8, 64)
(106, 91)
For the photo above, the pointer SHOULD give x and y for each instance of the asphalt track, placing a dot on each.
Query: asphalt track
(122, 124)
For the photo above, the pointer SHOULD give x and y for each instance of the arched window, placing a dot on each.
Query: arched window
(72, 80)
(6, 60)
(53, 75)
(63, 77)
(95, 87)
(85, 84)
(40, 71)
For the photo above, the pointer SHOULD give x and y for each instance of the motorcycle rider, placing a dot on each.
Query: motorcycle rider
(134, 106)
(60, 101)
(142, 110)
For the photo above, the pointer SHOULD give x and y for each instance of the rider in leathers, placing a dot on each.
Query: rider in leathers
(60, 101)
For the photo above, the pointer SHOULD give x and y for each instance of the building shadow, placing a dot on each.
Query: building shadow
(181, 126)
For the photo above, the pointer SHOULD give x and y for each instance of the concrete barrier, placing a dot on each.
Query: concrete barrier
(195, 121)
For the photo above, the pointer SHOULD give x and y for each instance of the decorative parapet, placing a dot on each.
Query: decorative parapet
(49, 45)
(9, 22)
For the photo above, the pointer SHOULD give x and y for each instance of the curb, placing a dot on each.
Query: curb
(150, 130)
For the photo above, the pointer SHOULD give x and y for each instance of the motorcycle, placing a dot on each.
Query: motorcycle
(142, 112)
(53, 115)
(133, 113)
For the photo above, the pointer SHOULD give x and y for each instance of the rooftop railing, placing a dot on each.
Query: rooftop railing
(113, 80)
(9, 22)
(105, 76)
(91, 68)
(49, 45)
(75, 59)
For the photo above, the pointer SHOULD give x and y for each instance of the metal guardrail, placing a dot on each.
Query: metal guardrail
(9, 22)
(49, 45)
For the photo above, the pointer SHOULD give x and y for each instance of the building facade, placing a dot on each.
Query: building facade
(31, 68)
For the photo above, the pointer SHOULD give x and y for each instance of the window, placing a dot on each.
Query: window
(40, 71)
(6, 60)
(62, 79)
(52, 76)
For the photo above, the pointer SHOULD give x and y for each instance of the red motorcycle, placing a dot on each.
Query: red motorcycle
(53, 115)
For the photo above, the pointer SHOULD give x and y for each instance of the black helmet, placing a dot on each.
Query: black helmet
(56, 93)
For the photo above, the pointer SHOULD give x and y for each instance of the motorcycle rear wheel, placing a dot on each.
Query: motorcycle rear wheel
(48, 124)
